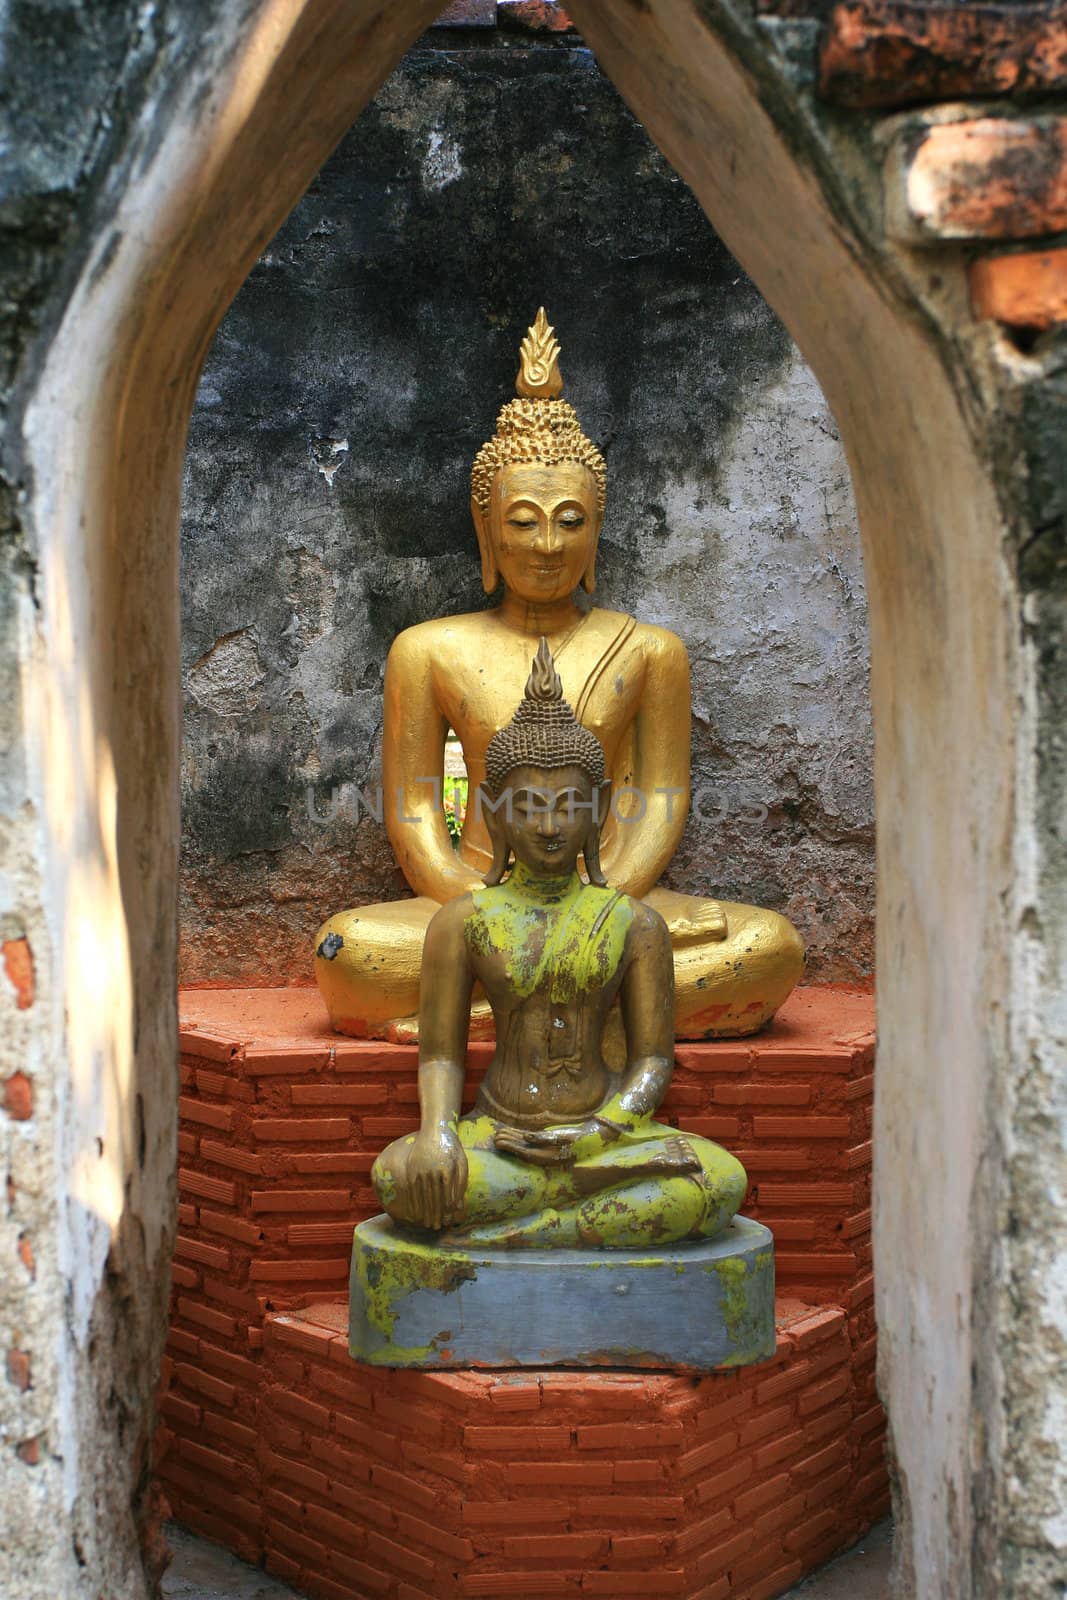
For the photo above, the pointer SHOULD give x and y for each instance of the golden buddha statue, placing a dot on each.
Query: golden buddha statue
(560, 1151)
(537, 498)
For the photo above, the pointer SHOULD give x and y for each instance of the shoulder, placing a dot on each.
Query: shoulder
(424, 647)
(661, 644)
(648, 638)
(648, 923)
(448, 921)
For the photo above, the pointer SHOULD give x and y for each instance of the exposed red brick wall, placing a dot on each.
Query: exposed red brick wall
(269, 1426)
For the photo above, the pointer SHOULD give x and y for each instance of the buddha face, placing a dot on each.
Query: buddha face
(553, 817)
(541, 532)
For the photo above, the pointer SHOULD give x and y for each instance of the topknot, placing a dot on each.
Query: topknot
(538, 427)
(544, 732)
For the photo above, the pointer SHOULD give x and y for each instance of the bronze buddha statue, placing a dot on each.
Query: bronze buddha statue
(537, 498)
(560, 1150)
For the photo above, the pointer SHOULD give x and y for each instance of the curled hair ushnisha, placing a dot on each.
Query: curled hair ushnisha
(538, 427)
(544, 732)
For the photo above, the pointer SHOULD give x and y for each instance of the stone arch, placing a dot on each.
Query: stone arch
(222, 157)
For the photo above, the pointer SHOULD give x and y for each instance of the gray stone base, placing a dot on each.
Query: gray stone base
(692, 1307)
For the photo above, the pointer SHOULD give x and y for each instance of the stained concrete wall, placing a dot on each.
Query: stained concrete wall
(326, 493)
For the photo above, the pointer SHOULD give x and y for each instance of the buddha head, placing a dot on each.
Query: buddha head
(545, 795)
(538, 485)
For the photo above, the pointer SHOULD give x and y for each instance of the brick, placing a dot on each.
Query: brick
(638, 1471)
(804, 1060)
(217, 1321)
(267, 1061)
(505, 1513)
(388, 1127)
(504, 1438)
(666, 1581)
(805, 1194)
(242, 1300)
(310, 1551)
(339, 1094)
(400, 1556)
(306, 1411)
(18, 1097)
(629, 1436)
(765, 1422)
(861, 1291)
(814, 1266)
(722, 1557)
(331, 1160)
(187, 1343)
(519, 1394)
(860, 1155)
(184, 1277)
(824, 1461)
(824, 1394)
(222, 1393)
(467, 14)
(497, 1584)
(860, 1088)
(764, 1494)
(829, 1425)
(187, 1215)
(801, 1127)
(705, 1455)
(820, 1325)
(718, 1485)
(883, 53)
(234, 1366)
(292, 1130)
(858, 1225)
(182, 1412)
(696, 1534)
(300, 1199)
(558, 1474)
(218, 1083)
(710, 1057)
(780, 1449)
(340, 1388)
(234, 1432)
(299, 1234)
(233, 1227)
(621, 1507)
(401, 1486)
(812, 1529)
(192, 1110)
(225, 1155)
(777, 1582)
(644, 1547)
(205, 1460)
(979, 178)
(761, 1160)
(762, 1094)
(434, 1535)
(332, 1271)
(217, 1189)
(188, 1143)
(18, 969)
(206, 1254)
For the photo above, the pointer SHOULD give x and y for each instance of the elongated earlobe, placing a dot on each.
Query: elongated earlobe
(591, 850)
(589, 575)
(490, 574)
(501, 854)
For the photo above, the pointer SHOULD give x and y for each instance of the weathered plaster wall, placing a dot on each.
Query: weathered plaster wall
(327, 485)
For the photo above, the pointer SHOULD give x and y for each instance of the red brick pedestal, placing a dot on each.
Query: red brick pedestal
(419, 1486)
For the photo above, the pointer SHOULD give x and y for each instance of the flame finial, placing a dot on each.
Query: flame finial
(539, 375)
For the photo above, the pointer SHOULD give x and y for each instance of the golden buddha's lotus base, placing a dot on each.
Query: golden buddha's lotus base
(698, 1306)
